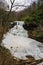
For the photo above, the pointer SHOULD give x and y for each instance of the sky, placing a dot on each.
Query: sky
(20, 2)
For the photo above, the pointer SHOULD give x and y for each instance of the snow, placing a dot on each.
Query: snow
(17, 41)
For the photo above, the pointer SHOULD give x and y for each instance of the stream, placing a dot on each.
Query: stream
(17, 41)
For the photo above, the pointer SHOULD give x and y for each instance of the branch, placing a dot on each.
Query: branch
(12, 2)
(20, 5)
(11, 7)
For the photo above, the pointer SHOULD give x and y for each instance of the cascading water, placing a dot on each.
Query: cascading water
(17, 41)
(18, 30)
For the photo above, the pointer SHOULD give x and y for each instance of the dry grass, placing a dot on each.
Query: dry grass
(3, 30)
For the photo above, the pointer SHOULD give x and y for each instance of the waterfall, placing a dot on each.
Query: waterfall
(17, 41)
(18, 29)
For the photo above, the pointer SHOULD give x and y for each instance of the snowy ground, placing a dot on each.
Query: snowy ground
(17, 41)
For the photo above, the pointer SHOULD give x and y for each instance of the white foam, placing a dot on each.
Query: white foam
(20, 46)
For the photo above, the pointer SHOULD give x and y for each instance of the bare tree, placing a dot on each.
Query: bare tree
(12, 3)
(5, 22)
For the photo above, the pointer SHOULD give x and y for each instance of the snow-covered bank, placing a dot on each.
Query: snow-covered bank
(17, 41)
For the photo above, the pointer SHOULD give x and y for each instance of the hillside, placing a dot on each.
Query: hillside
(33, 17)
